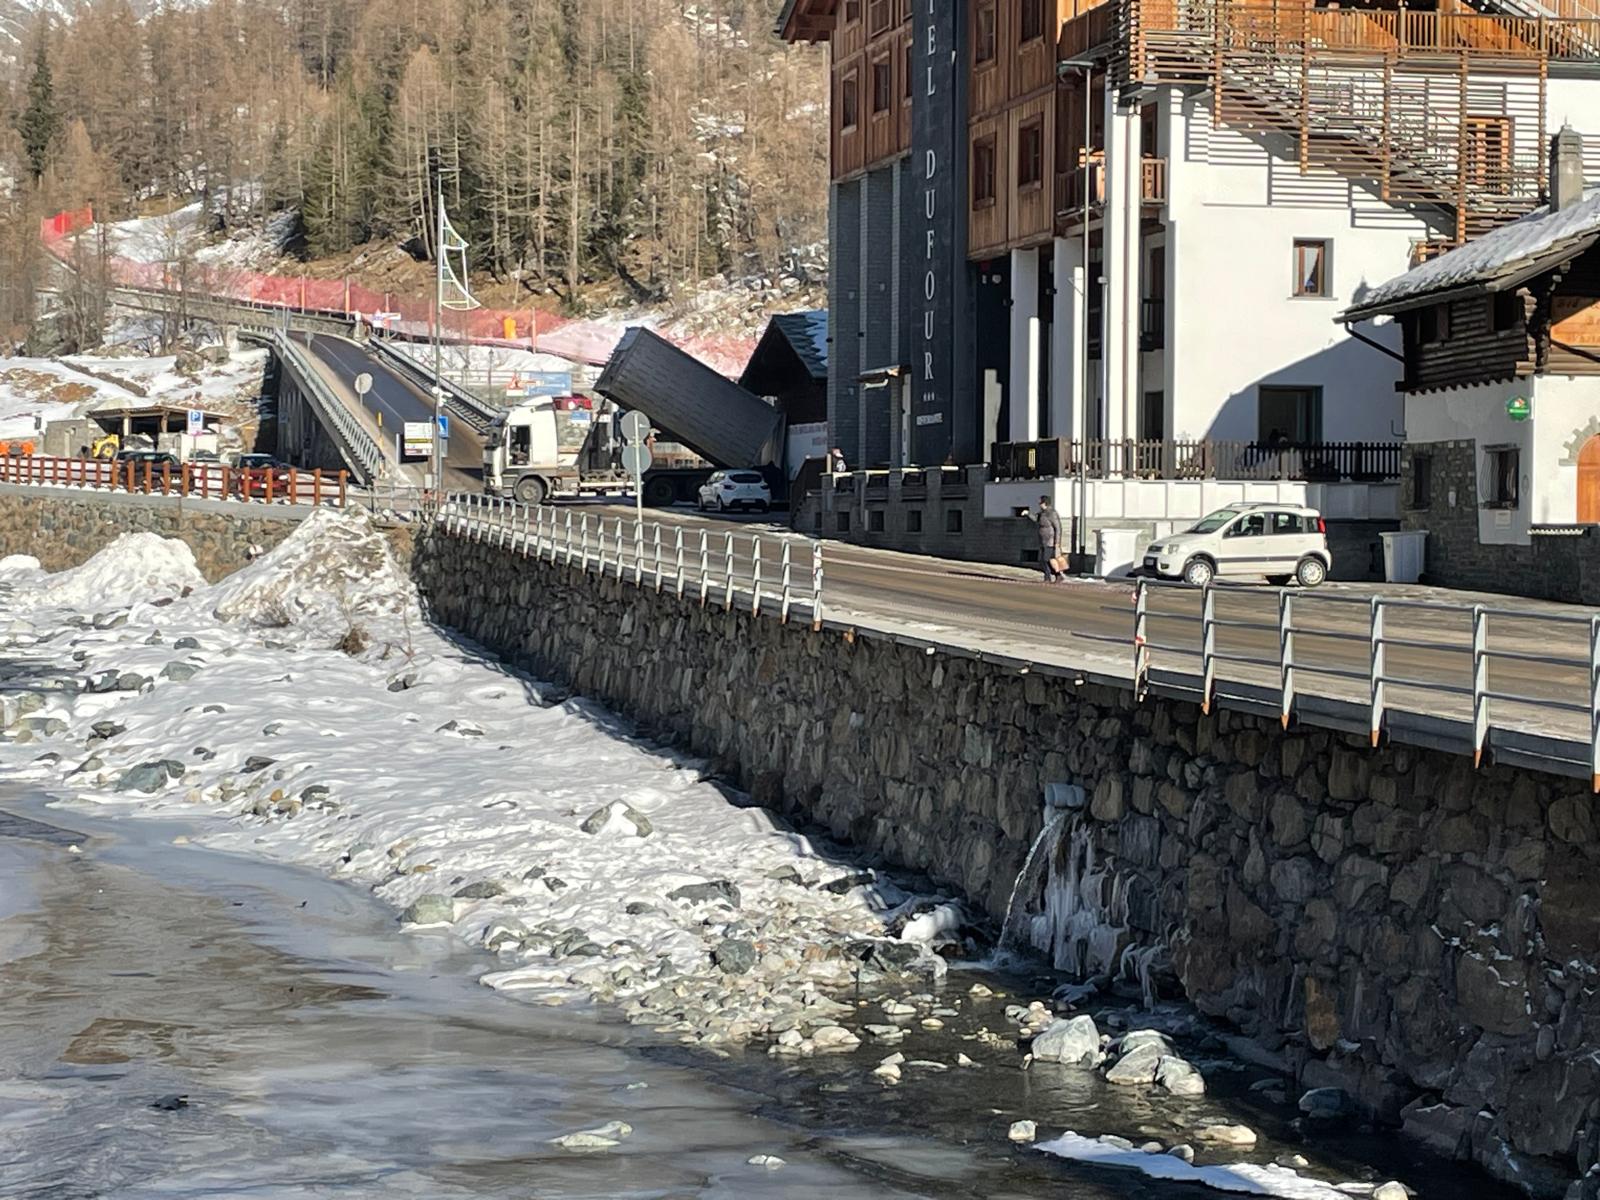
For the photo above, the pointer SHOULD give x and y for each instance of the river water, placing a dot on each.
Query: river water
(182, 1023)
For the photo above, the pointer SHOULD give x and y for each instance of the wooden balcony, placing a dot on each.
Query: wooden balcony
(1070, 185)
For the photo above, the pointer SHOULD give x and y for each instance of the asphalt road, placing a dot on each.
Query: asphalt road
(1011, 610)
(394, 400)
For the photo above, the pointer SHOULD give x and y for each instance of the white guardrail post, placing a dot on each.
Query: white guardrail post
(1377, 660)
(585, 542)
(705, 569)
(1141, 636)
(1480, 683)
(1208, 646)
(1286, 679)
(816, 586)
(566, 538)
(678, 549)
(788, 579)
(755, 576)
(657, 540)
(1594, 703)
(727, 572)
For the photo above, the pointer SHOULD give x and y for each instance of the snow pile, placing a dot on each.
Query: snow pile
(16, 564)
(1249, 1179)
(333, 573)
(593, 865)
(136, 567)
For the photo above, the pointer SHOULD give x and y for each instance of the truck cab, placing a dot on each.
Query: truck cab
(523, 457)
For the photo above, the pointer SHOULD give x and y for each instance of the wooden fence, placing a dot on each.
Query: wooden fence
(203, 481)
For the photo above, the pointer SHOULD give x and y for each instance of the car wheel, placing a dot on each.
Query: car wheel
(1279, 580)
(1311, 572)
(1198, 572)
(530, 491)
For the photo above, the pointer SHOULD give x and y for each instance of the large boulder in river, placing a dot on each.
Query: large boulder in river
(431, 909)
(617, 817)
(1071, 1041)
(150, 777)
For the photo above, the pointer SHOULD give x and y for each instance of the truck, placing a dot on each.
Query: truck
(535, 452)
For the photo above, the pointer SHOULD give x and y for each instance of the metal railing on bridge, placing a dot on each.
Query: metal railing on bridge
(1266, 640)
(196, 480)
(735, 569)
(476, 412)
(358, 447)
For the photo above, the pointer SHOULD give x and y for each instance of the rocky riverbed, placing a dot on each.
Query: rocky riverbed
(303, 711)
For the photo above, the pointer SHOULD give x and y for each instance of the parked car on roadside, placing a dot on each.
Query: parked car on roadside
(1278, 542)
(730, 491)
(156, 458)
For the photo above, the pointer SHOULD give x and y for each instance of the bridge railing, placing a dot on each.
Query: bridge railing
(1509, 676)
(764, 575)
(474, 411)
(359, 448)
(200, 481)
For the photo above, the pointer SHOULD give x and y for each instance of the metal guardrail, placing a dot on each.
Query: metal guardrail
(474, 411)
(360, 449)
(1376, 636)
(694, 565)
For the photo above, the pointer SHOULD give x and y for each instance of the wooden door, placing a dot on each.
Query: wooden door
(1589, 482)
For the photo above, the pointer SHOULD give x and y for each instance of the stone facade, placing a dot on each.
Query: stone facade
(61, 529)
(1391, 922)
(1561, 565)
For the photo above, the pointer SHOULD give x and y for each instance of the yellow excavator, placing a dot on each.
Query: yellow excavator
(105, 447)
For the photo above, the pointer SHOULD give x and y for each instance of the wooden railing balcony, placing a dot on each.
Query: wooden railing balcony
(1070, 184)
(1122, 27)
(1310, 462)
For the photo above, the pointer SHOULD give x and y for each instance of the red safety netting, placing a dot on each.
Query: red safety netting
(409, 316)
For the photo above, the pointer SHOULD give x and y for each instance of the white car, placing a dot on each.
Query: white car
(729, 491)
(1279, 542)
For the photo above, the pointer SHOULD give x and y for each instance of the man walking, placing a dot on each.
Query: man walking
(1049, 522)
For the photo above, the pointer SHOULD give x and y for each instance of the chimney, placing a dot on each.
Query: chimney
(1566, 169)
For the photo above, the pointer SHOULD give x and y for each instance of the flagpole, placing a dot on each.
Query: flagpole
(438, 348)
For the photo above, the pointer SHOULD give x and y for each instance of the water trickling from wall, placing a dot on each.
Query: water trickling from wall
(1071, 905)
(1028, 880)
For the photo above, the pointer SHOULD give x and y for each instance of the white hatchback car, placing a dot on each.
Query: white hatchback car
(1277, 541)
(728, 491)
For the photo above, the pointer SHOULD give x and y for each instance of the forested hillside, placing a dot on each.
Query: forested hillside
(655, 142)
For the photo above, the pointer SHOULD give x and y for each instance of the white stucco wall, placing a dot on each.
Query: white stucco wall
(1235, 208)
(1178, 503)
(1478, 414)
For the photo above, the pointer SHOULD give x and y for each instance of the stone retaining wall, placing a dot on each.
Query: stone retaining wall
(1391, 922)
(62, 529)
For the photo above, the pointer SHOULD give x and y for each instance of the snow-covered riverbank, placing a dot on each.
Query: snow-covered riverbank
(306, 705)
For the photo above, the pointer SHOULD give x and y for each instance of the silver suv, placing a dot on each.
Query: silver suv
(1278, 542)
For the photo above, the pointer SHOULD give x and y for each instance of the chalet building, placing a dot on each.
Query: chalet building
(1098, 250)
(1501, 386)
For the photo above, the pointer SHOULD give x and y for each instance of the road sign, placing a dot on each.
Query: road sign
(363, 384)
(417, 439)
(636, 427)
(1518, 408)
(197, 422)
(385, 318)
(636, 459)
(444, 427)
(549, 383)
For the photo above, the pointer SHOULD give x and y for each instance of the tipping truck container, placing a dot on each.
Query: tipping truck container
(528, 455)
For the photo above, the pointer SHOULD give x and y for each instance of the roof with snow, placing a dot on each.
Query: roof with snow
(1500, 259)
(807, 332)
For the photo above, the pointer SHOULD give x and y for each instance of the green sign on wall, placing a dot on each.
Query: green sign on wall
(1518, 408)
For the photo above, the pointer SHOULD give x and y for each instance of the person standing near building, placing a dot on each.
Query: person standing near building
(836, 461)
(1051, 561)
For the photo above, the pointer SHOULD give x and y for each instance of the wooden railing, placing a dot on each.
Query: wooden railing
(203, 481)
(1312, 462)
(1070, 184)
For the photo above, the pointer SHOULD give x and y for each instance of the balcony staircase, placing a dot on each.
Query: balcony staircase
(1445, 110)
